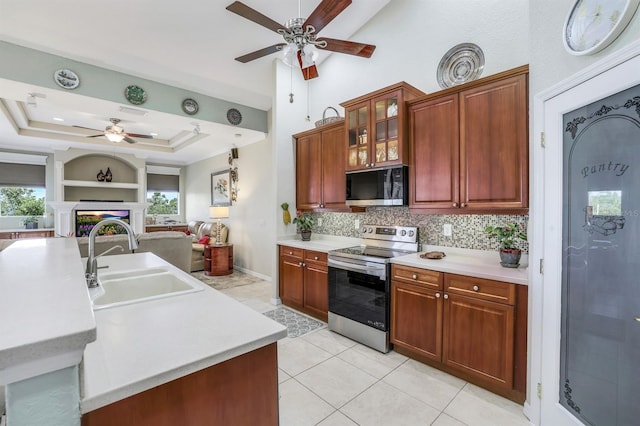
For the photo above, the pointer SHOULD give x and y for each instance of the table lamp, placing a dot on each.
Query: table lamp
(217, 212)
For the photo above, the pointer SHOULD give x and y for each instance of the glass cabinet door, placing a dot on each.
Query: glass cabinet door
(386, 129)
(357, 119)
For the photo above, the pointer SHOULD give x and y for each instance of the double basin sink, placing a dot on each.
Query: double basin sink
(139, 285)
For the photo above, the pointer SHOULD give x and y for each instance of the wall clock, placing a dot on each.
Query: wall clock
(593, 24)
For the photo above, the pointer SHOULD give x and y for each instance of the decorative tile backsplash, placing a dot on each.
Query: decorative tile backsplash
(468, 229)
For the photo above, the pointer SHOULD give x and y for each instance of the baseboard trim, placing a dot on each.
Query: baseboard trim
(252, 273)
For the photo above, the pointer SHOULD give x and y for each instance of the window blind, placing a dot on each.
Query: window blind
(26, 175)
(163, 183)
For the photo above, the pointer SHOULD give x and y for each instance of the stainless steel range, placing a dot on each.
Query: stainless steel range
(359, 283)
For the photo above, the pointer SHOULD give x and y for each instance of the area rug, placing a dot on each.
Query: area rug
(296, 324)
(235, 279)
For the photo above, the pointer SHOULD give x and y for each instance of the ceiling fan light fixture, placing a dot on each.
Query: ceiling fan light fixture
(114, 137)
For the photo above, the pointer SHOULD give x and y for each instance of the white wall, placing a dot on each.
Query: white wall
(251, 215)
(411, 36)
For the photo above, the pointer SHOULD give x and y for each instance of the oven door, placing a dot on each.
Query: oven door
(359, 295)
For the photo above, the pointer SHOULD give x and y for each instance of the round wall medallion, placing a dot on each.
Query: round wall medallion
(462, 63)
(190, 106)
(234, 117)
(136, 95)
(66, 79)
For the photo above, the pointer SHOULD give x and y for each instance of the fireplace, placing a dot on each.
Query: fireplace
(85, 220)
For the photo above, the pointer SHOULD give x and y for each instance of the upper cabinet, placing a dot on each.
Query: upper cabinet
(468, 147)
(320, 174)
(376, 131)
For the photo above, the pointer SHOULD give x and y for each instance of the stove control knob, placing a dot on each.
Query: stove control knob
(411, 233)
(403, 233)
(370, 230)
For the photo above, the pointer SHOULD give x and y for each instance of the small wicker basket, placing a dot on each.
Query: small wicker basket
(328, 120)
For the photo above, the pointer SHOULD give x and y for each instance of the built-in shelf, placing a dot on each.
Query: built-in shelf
(97, 184)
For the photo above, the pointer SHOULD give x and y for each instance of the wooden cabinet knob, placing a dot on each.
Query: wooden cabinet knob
(476, 288)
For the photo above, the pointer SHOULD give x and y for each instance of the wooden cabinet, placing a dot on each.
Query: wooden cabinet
(14, 235)
(218, 259)
(320, 172)
(468, 147)
(416, 311)
(470, 327)
(303, 281)
(376, 131)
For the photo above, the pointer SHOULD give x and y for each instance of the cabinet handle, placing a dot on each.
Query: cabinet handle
(373, 164)
(304, 264)
(455, 204)
(476, 288)
(315, 257)
(300, 263)
(446, 296)
(414, 276)
(437, 295)
(463, 205)
(290, 252)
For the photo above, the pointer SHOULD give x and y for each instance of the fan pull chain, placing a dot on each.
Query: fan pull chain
(291, 83)
(308, 102)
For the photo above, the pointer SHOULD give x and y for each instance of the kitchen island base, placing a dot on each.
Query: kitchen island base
(239, 391)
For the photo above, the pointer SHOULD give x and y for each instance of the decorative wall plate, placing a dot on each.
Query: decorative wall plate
(234, 117)
(593, 24)
(190, 106)
(66, 79)
(136, 95)
(462, 63)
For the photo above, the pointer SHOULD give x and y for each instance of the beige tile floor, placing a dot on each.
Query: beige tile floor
(329, 380)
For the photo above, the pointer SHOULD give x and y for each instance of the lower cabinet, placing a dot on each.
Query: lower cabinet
(470, 327)
(303, 281)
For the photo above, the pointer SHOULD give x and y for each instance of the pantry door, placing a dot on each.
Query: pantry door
(591, 304)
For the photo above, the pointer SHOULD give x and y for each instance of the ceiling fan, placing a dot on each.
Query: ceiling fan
(300, 33)
(116, 133)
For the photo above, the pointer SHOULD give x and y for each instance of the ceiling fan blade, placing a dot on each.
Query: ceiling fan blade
(128, 139)
(260, 53)
(88, 128)
(349, 47)
(135, 135)
(95, 136)
(325, 12)
(246, 12)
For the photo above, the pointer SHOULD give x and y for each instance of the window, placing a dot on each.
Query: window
(22, 189)
(163, 194)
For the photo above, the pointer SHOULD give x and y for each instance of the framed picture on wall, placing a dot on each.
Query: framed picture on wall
(221, 188)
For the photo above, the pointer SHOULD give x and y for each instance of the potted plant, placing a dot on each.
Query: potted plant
(507, 236)
(31, 222)
(304, 221)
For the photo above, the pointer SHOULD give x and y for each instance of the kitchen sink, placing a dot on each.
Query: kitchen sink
(126, 287)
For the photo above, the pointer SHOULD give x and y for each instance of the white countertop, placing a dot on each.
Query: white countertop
(476, 263)
(45, 308)
(319, 242)
(143, 345)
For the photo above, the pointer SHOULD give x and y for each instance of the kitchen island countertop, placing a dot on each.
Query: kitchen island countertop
(146, 344)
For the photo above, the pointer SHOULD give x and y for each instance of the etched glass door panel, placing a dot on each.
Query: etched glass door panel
(600, 339)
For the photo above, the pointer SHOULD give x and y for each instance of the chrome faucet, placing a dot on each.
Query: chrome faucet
(91, 273)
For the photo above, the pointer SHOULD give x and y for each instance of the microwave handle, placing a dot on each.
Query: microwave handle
(377, 271)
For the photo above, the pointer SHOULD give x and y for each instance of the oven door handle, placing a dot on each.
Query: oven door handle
(366, 269)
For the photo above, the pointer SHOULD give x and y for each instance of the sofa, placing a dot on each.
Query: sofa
(172, 246)
(197, 249)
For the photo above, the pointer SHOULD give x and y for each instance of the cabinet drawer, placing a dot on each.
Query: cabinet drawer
(495, 291)
(419, 276)
(315, 256)
(291, 251)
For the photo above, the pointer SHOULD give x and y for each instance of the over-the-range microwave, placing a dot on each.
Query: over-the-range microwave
(378, 187)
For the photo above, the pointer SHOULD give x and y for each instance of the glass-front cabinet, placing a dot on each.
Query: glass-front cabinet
(376, 134)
